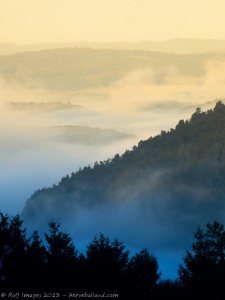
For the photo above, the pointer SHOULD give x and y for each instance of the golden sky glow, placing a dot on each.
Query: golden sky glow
(33, 21)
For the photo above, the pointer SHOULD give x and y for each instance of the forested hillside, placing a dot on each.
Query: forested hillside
(177, 175)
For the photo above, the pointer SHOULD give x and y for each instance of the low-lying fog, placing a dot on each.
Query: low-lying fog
(135, 108)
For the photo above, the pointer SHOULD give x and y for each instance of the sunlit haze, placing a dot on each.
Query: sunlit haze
(34, 21)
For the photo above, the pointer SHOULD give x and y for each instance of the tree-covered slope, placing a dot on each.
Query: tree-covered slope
(179, 174)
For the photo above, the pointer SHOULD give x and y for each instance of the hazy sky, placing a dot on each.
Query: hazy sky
(31, 21)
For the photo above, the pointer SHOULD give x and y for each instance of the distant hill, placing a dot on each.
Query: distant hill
(176, 178)
(85, 135)
(41, 107)
(179, 46)
(73, 69)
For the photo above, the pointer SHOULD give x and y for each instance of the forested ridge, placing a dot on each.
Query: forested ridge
(183, 168)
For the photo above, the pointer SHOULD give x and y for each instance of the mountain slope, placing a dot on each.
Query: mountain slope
(177, 176)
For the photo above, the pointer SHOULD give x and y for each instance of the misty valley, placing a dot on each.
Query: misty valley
(113, 166)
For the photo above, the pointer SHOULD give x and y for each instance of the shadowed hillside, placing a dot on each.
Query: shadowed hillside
(176, 177)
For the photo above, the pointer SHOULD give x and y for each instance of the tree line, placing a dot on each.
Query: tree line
(53, 264)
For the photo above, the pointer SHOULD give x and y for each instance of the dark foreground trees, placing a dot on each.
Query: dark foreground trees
(13, 252)
(32, 265)
(202, 276)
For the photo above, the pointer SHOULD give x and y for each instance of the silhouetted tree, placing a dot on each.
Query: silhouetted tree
(143, 273)
(61, 257)
(13, 245)
(203, 273)
(106, 264)
(4, 245)
(35, 262)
